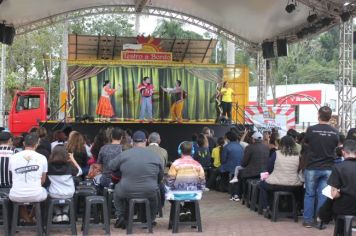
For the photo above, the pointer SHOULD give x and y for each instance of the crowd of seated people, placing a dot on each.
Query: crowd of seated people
(134, 165)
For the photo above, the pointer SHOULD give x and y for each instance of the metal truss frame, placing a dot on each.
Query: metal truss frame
(262, 80)
(132, 9)
(345, 77)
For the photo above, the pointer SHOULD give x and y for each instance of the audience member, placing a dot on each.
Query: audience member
(28, 169)
(126, 141)
(202, 154)
(231, 157)
(294, 134)
(284, 164)
(186, 174)
(273, 143)
(99, 141)
(216, 156)
(154, 139)
(6, 152)
(321, 141)
(343, 188)
(255, 158)
(76, 145)
(141, 171)
(207, 132)
(61, 168)
(107, 153)
(59, 137)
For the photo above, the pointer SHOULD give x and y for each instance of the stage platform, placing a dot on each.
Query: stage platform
(171, 134)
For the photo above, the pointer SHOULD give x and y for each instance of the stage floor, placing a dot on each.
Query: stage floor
(171, 134)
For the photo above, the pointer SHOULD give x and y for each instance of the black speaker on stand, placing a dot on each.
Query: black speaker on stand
(7, 34)
(282, 47)
(267, 50)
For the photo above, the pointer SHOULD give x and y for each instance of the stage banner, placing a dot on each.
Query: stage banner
(199, 104)
(265, 118)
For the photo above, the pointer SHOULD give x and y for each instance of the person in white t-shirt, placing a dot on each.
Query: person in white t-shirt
(28, 170)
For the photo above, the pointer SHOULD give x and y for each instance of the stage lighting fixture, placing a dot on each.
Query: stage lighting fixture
(311, 18)
(345, 16)
(290, 7)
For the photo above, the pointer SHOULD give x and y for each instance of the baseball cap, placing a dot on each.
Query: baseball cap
(4, 136)
(139, 136)
(257, 135)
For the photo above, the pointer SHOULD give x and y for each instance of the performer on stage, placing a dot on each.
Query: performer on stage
(218, 102)
(226, 100)
(178, 101)
(146, 90)
(104, 108)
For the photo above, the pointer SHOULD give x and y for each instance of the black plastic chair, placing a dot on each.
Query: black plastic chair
(276, 200)
(347, 219)
(72, 223)
(96, 201)
(255, 191)
(4, 202)
(174, 221)
(131, 213)
(15, 218)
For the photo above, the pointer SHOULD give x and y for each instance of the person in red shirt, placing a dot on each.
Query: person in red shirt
(146, 89)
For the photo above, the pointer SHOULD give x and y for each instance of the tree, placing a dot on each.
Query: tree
(174, 29)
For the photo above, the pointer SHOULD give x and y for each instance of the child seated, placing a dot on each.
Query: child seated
(61, 169)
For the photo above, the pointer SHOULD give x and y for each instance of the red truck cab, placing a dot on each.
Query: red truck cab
(27, 110)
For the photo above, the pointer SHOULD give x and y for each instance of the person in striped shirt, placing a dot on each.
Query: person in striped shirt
(6, 151)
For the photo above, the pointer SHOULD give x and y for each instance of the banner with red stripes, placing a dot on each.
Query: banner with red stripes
(265, 118)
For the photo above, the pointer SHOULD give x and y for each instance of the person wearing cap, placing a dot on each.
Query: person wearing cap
(255, 159)
(6, 152)
(146, 90)
(141, 172)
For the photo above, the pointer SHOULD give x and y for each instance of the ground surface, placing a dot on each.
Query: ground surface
(222, 217)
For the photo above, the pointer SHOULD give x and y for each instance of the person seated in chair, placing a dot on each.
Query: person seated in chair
(343, 187)
(283, 166)
(29, 170)
(186, 174)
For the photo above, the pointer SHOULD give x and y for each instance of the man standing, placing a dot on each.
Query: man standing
(321, 141)
(146, 90)
(29, 170)
(141, 172)
(6, 152)
(178, 101)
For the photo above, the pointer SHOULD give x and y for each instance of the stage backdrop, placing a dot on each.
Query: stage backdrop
(199, 82)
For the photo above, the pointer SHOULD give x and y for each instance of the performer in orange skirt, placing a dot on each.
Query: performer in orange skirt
(104, 108)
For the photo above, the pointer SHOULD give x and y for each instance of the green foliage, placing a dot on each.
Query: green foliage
(174, 29)
(111, 25)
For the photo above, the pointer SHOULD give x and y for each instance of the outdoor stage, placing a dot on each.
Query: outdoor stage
(171, 134)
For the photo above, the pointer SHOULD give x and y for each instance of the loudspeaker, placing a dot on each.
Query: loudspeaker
(267, 48)
(354, 37)
(7, 34)
(282, 49)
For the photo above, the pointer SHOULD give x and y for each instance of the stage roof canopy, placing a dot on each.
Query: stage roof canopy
(247, 22)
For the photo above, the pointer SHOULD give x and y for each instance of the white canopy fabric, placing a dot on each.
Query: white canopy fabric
(253, 21)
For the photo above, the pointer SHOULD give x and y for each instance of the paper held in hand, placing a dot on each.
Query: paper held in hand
(327, 192)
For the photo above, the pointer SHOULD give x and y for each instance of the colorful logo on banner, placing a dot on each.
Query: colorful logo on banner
(146, 49)
(265, 118)
(298, 98)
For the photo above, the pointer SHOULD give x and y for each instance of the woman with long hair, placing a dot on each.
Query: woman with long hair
(284, 175)
(104, 108)
(76, 145)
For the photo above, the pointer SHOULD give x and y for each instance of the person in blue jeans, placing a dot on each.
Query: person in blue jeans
(231, 157)
(146, 89)
(320, 141)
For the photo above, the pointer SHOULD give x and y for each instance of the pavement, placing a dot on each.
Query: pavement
(220, 217)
